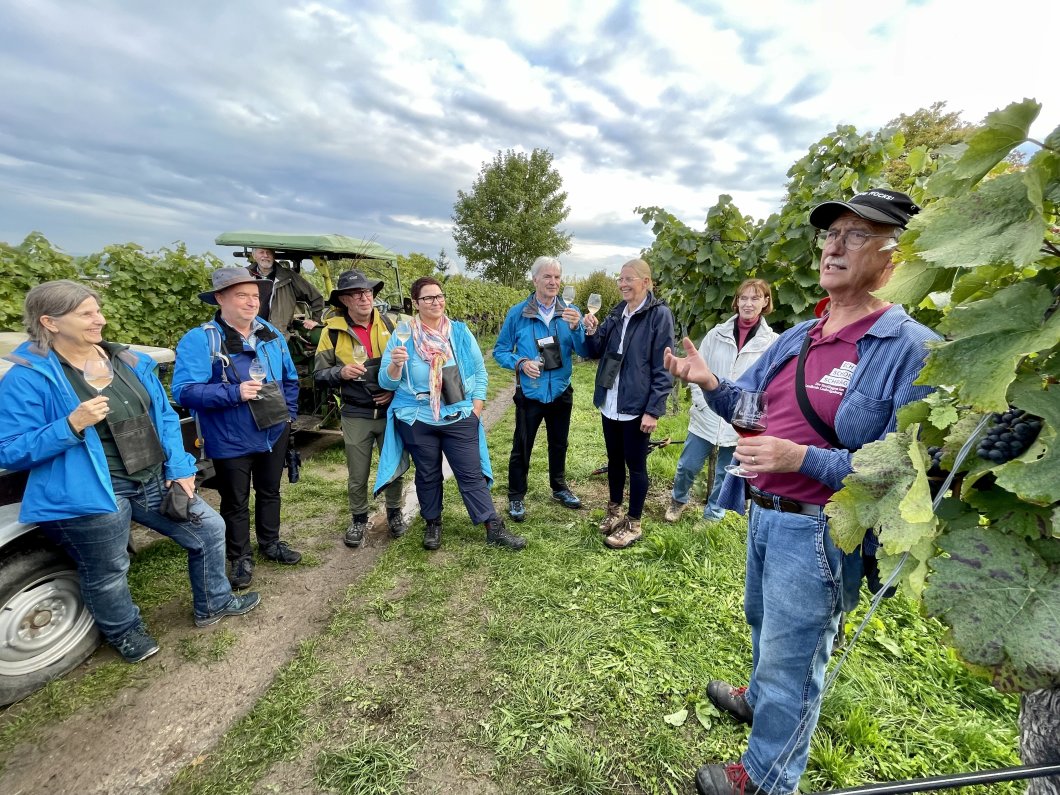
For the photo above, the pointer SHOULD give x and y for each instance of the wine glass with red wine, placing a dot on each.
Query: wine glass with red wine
(749, 419)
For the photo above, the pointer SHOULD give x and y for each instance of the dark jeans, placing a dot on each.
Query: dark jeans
(459, 441)
(234, 477)
(99, 545)
(528, 416)
(627, 448)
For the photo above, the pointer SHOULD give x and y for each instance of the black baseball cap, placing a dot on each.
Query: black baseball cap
(882, 205)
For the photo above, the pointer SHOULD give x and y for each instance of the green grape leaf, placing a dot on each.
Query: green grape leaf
(888, 490)
(989, 338)
(979, 283)
(916, 412)
(1042, 177)
(1001, 601)
(1007, 511)
(1052, 141)
(1035, 475)
(910, 281)
(1001, 132)
(998, 223)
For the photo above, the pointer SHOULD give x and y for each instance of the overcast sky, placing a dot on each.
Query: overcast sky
(158, 122)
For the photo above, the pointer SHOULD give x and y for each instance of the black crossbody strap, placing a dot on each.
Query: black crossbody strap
(824, 429)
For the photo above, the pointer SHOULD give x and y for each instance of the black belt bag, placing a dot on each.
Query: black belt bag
(452, 385)
(607, 371)
(137, 442)
(551, 356)
(271, 409)
(370, 379)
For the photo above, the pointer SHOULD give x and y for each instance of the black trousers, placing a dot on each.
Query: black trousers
(234, 477)
(528, 416)
(460, 442)
(627, 448)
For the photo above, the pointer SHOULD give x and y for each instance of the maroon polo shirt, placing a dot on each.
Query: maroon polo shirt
(830, 365)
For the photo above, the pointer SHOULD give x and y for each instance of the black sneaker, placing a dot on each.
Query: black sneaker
(432, 535)
(279, 552)
(237, 606)
(355, 534)
(730, 699)
(395, 521)
(567, 498)
(517, 510)
(498, 535)
(725, 780)
(242, 574)
(136, 645)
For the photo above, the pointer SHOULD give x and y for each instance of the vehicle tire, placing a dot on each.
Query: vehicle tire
(45, 628)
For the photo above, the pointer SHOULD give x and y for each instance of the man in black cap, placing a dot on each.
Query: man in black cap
(832, 386)
(364, 404)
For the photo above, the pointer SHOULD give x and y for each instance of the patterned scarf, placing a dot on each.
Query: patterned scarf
(433, 347)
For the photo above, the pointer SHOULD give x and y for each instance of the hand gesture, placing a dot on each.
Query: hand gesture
(531, 368)
(309, 324)
(188, 484)
(648, 423)
(591, 324)
(399, 355)
(248, 390)
(382, 398)
(89, 413)
(692, 368)
(572, 316)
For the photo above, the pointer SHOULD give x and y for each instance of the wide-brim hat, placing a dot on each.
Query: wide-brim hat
(882, 205)
(353, 280)
(223, 278)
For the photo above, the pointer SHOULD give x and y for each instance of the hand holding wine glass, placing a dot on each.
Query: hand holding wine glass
(257, 373)
(403, 331)
(98, 374)
(749, 419)
(359, 356)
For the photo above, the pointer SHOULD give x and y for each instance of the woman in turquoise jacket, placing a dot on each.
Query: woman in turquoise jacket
(98, 459)
(439, 380)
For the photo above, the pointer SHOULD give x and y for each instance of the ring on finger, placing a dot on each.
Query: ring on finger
(754, 460)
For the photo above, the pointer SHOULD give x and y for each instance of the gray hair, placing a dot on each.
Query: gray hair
(541, 262)
(53, 299)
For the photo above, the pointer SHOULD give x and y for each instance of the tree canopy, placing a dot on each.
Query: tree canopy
(510, 216)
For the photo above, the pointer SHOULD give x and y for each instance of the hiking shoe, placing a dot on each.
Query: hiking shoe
(242, 574)
(725, 780)
(355, 534)
(517, 510)
(432, 534)
(395, 522)
(136, 645)
(567, 498)
(237, 606)
(730, 699)
(612, 518)
(498, 535)
(673, 513)
(279, 552)
(625, 533)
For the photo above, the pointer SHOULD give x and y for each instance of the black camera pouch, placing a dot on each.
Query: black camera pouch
(607, 371)
(452, 385)
(271, 409)
(551, 358)
(137, 442)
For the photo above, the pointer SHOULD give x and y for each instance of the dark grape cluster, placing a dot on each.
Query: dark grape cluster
(1009, 436)
(936, 469)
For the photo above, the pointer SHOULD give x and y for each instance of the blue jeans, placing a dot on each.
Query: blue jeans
(98, 544)
(694, 455)
(792, 604)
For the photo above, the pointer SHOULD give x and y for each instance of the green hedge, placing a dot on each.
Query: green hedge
(482, 305)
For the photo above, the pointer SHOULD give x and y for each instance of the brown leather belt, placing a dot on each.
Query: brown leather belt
(775, 502)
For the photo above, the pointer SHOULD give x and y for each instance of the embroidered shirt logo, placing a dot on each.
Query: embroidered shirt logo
(837, 381)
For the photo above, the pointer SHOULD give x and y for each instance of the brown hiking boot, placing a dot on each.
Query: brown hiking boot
(673, 513)
(612, 518)
(626, 532)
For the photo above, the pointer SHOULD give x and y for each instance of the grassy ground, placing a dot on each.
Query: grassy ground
(572, 669)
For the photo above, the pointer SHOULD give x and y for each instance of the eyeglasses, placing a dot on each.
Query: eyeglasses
(431, 299)
(628, 279)
(360, 295)
(852, 239)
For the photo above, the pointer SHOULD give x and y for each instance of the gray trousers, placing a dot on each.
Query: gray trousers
(360, 435)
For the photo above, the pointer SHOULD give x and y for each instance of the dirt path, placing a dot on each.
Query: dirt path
(139, 740)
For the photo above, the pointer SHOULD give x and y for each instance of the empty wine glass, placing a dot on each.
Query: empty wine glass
(749, 419)
(594, 303)
(568, 294)
(98, 374)
(257, 372)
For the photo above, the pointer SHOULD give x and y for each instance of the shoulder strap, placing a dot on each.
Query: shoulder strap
(333, 335)
(823, 428)
(213, 334)
(387, 321)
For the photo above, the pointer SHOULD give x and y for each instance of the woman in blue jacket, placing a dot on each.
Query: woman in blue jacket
(631, 390)
(245, 424)
(439, 380)
(97, 459)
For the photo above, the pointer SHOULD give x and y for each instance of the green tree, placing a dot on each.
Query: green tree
(442, 263)
(925, 130)
(510, 216)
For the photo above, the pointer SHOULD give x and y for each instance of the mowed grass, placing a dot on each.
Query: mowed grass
(569, 668)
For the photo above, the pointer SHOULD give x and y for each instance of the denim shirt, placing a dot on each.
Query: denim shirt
(890, 357)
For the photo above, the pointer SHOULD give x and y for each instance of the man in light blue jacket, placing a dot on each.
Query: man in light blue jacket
(538, 341)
